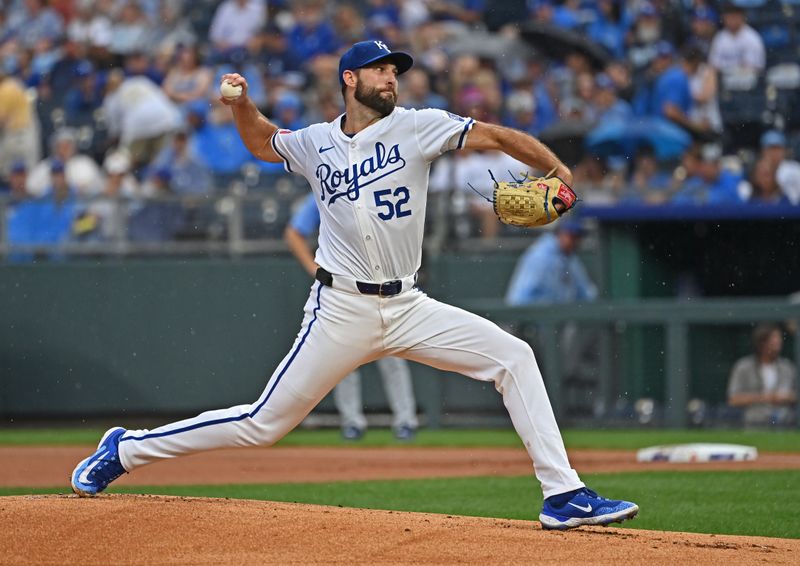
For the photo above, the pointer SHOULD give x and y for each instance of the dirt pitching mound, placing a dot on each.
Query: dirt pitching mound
(137, 529)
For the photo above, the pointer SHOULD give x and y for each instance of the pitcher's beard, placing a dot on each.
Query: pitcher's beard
(371, 98)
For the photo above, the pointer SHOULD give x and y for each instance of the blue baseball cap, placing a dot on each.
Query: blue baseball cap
(571, 226)
(705, 13)
(664, 49)
(365, 52)
(773, 138)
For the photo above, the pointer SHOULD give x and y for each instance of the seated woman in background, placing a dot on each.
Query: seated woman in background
(764, 384)
(189, 80)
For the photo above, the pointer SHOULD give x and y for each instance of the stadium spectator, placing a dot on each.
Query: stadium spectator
(35, 25)
(737, 47)
(64, 73)
(704, 119)
(764, 384)
(648, 182)
(120, 186)
(608, 105)
(215, 141)
(82, 173)
(159, 219)
(140, 64)
(189, 79)
(188, 175)
(171, 30)
(773, 149)
(348, 23)
(130, 31)
(312, 34)
(19, 128)
(607, 29)
(234, 29)
(707, 182)
(644, 34)
(763, 188)
(550, 272)
(287, 110)
(46, 220)
(469, 12)
(703, 28)
(667, 93)
(13, 187)
(90, 27)
(85, 96)
(563, 15)
(140, 115)
(416, 92)
(619, 72)
(521, 111)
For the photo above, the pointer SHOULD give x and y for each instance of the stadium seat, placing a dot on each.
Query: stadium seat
(783, 94)
(742, 104)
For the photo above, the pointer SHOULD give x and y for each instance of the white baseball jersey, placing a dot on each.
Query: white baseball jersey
(372, 187)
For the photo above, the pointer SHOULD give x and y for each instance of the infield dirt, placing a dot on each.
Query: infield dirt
(139, 529)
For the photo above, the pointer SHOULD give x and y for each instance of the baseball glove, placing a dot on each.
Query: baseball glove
(532, 202)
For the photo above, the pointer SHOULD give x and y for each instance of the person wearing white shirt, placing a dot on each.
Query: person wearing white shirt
(81, 171)
(236, 22)
(764, 384)
(737, 47)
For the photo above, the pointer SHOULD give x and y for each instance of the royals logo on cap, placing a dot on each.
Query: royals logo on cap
(365, 52)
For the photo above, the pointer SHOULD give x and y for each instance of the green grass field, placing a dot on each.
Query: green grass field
(784, 441)
(760, 503)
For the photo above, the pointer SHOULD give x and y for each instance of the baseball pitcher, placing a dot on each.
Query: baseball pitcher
(369, 171)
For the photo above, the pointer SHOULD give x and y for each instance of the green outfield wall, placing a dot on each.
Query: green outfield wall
(156, 337)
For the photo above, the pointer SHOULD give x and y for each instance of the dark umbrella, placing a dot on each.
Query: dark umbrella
(566, 139)
(557, 43)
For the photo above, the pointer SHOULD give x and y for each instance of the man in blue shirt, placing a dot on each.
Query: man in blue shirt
(667, 95)
(549, 272)
(710, 183)
(394, 372)
(47, 221)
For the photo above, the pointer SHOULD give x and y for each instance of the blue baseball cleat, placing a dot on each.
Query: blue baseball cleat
(584, 507)
(405, 433)
(93, 474)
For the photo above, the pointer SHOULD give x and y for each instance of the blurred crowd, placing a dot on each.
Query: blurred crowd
(110, 127)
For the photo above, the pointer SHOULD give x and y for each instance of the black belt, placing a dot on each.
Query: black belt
(388, 289)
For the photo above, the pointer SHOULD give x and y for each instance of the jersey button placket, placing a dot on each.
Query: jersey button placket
(362, 213)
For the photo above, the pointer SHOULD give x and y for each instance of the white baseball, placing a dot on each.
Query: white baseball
(230, 91)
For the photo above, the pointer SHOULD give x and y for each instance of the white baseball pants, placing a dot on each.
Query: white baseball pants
(396, 379)
(342, 331)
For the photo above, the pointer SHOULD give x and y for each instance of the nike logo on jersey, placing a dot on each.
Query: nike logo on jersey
(587, 509)
(324, 149)
(348, 182)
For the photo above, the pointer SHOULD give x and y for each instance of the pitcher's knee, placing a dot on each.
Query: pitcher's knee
(520, 351)
(262, 434)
